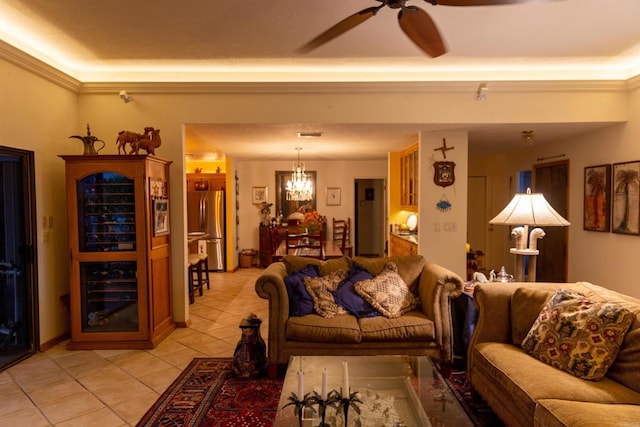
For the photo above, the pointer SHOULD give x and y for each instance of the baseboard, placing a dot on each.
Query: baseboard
(55, 341)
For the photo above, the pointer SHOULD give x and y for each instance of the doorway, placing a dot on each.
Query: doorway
(552, 180)
(18, 269)
(369, 217)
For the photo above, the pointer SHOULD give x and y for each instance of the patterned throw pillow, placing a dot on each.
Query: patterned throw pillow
(388, 293)
(578, 335)
(321, 288)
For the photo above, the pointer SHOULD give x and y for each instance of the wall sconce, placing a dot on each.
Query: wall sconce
(126, 98)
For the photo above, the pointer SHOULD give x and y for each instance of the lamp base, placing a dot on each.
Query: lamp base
(520, 259)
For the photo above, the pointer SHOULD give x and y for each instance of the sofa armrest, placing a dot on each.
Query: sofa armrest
(270, 285)
(437, 286)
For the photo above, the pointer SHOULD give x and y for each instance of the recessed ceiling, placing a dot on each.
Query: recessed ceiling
(254, 41)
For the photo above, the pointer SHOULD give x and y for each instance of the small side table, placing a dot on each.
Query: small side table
(464, 316)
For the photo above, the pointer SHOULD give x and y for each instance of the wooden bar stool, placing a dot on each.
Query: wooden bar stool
(204, 265)
(195, 276)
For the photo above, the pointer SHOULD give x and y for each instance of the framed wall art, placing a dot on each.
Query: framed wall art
(597, 198)
(259, 195)
(333, 196)
(160, 217)
(626, 198)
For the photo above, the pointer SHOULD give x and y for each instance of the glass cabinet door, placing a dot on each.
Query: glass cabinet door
(109, 294)
(106, 213)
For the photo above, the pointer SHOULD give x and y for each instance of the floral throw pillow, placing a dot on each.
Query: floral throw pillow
(388, 293)
(578, 335)
(321, 290)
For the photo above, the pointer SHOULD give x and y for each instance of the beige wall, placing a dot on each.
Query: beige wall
(606, 259)
(40, 115)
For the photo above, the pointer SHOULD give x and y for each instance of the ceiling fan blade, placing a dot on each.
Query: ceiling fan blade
(339, 29)
(475, 2)
(420, 28)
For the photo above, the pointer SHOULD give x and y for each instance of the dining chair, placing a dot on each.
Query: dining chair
(341, 233)
(306, 245)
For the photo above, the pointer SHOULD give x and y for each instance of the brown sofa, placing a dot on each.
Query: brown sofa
(522, 390)
(425, 331)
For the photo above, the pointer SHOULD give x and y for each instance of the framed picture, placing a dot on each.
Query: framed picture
(160, 217)
(626, 198)
(259, 195)
(333, 196)
(597, 198)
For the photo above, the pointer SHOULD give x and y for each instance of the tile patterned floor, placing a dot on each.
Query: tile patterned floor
(108, 388)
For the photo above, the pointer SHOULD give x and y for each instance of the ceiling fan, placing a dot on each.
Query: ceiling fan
(415, 22)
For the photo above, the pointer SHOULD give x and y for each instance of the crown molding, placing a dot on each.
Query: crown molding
(350, 87)
(60, 78)
(28, 63)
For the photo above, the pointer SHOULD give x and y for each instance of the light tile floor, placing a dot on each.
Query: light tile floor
(60, 387)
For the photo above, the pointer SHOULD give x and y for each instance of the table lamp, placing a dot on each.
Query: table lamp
(528, 209)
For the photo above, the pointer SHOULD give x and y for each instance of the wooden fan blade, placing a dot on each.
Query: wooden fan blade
(421, 29)
(339, 29)
(475, 2)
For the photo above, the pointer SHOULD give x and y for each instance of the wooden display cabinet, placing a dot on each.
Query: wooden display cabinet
(120, 251)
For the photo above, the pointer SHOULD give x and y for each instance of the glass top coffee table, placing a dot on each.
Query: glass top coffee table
(396, 391)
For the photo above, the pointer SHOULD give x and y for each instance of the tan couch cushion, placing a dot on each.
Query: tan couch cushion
(413, 326)
(294, 263)
(557, 413)
(527, 380)
(409, 267)
(577, 334)
(314, 328)
(526, 304)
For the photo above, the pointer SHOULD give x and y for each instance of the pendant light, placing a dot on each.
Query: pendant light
(299, 187)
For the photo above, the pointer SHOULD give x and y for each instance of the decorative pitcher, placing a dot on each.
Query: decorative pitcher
(89, 141)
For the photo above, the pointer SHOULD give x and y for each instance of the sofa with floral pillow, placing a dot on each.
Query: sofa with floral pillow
(359, 306)
(557, 354)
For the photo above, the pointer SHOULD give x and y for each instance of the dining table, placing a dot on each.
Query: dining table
(330, 249)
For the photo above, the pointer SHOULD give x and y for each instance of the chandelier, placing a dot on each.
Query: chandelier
(299, 187)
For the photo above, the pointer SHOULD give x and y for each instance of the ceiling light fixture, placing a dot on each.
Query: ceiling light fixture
(299, 187)
(482, 93)
(126, 98)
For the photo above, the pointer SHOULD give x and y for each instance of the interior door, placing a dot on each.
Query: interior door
(552, 180)
(370, 217)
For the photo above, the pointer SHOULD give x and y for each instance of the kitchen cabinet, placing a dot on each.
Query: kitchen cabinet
(409, 177)
(206, 181)
(119, 251)
(399, 245)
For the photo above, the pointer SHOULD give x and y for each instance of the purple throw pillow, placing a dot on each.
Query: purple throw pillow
(347, 297)
(300, 302)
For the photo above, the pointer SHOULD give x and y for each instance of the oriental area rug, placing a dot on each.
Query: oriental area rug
(208, 393)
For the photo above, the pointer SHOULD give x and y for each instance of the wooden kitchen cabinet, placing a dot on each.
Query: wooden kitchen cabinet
(206, 181)
(399, 246)
(119, 251)
(409, 177)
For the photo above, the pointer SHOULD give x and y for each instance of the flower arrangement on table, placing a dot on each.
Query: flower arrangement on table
(312, 221)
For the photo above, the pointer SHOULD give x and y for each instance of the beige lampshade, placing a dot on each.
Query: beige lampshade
(529, 209)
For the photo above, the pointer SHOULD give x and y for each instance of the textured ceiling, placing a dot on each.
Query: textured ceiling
(248, 40)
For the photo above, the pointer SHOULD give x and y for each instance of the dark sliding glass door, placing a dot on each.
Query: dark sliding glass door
(18, 272)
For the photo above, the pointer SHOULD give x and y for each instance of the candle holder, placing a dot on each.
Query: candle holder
(323, 404)
(346, 402)
(306, 401)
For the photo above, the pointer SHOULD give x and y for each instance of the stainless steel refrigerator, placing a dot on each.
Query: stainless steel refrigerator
(205, 213)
